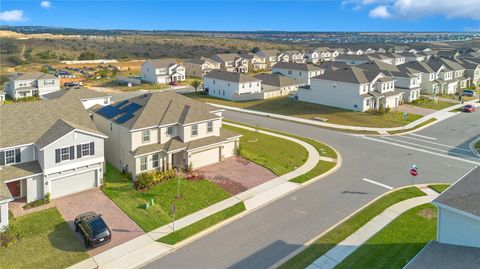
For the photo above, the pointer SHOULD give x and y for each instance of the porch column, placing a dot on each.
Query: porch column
(3, 215)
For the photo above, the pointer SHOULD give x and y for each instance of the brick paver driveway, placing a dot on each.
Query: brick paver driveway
(235, 174)
(122, 227)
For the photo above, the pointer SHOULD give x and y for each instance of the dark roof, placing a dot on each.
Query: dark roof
(230, 76)
(444, 256)
(297, 66)
(464, 195)
(78, 94)
(162, 63)
(276, 80)
(32, 76)
(350, 74)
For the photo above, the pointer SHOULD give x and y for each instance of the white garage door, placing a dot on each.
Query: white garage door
(229, 149)
(73, 184)
(206, 157)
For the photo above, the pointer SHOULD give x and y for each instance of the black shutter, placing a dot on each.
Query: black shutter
(2, 157)
(79, 151)
(18, 157)
(57, 155)
(72, 152)
(92, 148)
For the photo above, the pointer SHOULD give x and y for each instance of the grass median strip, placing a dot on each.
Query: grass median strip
(439, 187)
(202, 225)
(320, 168)
(329, 240)
(414, 128)
(398, 242)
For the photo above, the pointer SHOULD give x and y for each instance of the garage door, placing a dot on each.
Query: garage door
(206, 157)
(229, 149)
(73, 184)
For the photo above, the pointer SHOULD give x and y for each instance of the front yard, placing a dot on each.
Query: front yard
(195, 195)
(290, 107)
(46, 241)
(430, 104)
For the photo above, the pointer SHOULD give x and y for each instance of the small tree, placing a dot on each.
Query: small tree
(195, 84)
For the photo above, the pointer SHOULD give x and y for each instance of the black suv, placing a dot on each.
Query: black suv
(93, 229)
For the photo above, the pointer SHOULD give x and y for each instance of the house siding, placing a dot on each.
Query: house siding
(457, 229)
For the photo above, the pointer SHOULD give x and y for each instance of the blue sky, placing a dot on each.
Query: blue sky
(320, 15)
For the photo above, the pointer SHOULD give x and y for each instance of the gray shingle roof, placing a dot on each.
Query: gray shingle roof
(162, 63)
(297, 66)
(269, 53)
(464, 195)
(350, 74)
(32, 75)
(276, 80)
(225, 57)
(14, 171)
(231, 76)
(77, 94)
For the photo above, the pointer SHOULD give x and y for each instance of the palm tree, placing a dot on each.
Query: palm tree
(195, 84)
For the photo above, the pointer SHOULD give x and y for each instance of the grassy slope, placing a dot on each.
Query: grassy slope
(398, 242)
(203, 224)
(196, 195)
(414, 128)
(346, 228)
(439, 187)
(46, 242)
(429, 104)
(279, 155)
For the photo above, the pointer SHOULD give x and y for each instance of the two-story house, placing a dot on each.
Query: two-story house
(255, 62)
(200, 67)
(444, 76)
(162, 71)
(276, 85)
(231, 62)
(158, 131)
(295, 56)
(31, 84)
(88, 97)
(459, 75)
(232, 86)
(47, 147)
(300, 72)
(312, 56)
(429, 83)
(270, 56)
(352, 88)
(472, 70)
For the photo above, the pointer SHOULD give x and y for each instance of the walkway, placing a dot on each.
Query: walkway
(341, 251)
(145, 248)
(439, 115)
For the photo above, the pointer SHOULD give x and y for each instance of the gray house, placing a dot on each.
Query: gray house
(47, 147)
(32, 84)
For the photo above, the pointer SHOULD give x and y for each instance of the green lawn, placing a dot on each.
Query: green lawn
(414, 128)
(349, 226)
(195, 195)
(46, 242)
(320, 168)
(477, 146)
(276, 154)
(439, 187)
(291, 107)
(202, 225)
(396, 244)
(430, 104)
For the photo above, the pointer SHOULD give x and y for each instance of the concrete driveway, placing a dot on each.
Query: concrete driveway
(122, 227)
(236, 174)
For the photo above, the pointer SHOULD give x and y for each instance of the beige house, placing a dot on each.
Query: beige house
(255, 62)
(30, 84)
(157, 131)
(200, 67)
(231, 62)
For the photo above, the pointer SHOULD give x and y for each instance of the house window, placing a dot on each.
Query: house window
(289, 72)
(9, 156)
(367, 103)
(85, 149)
(213, 81)
(155, 163)
(49, 82)
(209, 126)
(146, 136)
(170, 131)
(65, 154)
(143, 163)
(194, 130)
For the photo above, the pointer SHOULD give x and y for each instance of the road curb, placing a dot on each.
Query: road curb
(472, 147)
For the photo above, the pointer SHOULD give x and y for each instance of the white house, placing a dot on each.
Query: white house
(295, 56)
(231, 62)
(300, 72)
(2, 97)
(231, 85)
(200, 67)
(47, 147)
(163, 130)
(276, 85)
(32, 84)
(162, 71)
(352, 88)
(255, 62)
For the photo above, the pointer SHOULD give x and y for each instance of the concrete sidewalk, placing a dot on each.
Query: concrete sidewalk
(439, 115)
(341, 251)
(145, 248)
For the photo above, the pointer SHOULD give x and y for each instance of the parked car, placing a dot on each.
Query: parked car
(469, 108)
(93, 229)
(469, 93)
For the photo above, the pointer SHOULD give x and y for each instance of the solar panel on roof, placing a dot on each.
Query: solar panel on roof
(109, 111)
(121, 103)
(124, 118)
(132, 107)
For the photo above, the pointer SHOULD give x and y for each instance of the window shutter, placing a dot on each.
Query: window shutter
(79, 151)
(2, 157)
(92, 148)
(72, 152)
(57, 155)
(18, 157)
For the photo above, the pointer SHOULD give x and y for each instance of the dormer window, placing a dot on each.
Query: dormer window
(9, 156)
(170, 131)
(194, 130)
(145, 136)
(210, 127)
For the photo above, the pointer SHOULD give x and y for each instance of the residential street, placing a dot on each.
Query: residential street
(441, 152)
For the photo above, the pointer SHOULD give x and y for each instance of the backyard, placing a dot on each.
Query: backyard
(46, 241)
(290, 107)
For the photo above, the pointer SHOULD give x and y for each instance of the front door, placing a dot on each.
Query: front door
(14, 188)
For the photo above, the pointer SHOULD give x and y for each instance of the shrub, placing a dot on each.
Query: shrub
(9, 236)
(147, 180)
(127, 176)
(39, 202)
(144, 181)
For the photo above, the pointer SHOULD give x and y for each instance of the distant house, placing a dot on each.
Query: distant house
(162, 71)
(255, 62)
(231, 85)
(32, 84)
(275, 85)
(472, 70)
(270, 56)
(448, 54)
(295, 56)
(353, 59)
(312, 56)
(352, 88)
(200, 67)
(231, 62)
(300, 72)
(89, 98)
(410, 56)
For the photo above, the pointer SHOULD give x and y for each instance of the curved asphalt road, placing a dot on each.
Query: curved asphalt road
(263, 237)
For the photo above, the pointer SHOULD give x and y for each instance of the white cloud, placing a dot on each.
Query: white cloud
(415, 9)
(46, 4)
(380, 12)
(12, 16)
